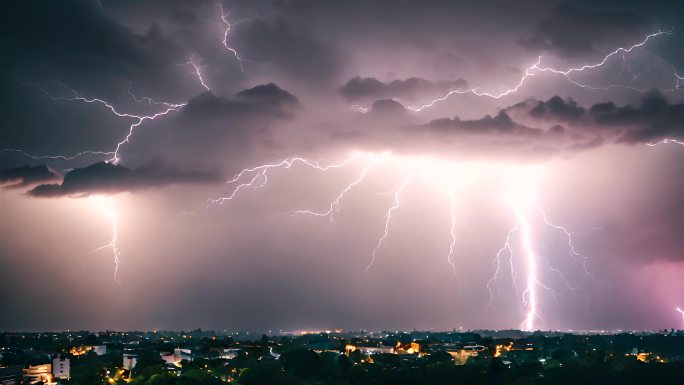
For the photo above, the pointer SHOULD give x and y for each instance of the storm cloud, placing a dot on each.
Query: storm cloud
(27, 175)
(110, 178)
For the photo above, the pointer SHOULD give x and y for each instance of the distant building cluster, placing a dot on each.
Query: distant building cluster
(48, 358)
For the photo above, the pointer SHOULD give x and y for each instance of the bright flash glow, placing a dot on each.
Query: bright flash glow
(106, 206)
(520, 193)
(680, 311)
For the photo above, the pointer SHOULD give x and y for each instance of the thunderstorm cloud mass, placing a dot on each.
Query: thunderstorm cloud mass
(284, 165)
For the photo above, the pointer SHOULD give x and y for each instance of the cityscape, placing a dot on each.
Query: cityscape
(310, 192)
(340, 357)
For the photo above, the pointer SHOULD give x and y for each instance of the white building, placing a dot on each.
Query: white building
(100, 349)
(177, 356)
(229, 354)
(61, 368)
(129, 360)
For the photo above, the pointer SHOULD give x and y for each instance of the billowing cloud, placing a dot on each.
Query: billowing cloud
(359, 88)
(573, 28)
(109, 178)
(654, 119)
(27, 175)
(531, 129)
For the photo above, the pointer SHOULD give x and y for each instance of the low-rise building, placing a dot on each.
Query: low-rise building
(34, 374)
(61, 368)
(129, 360)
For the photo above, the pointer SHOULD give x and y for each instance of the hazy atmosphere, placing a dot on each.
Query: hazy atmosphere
(288, 165)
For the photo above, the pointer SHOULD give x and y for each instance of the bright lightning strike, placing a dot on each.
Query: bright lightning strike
(522, 198)
(106, 207)
(138, 120)
(255, 172)
(666, 141)
(452, 229)
(196, 64)
(388, 216)
(537, 68)
(228, 25)
(336, 204)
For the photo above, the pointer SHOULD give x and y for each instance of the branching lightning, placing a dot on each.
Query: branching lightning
(452, 229)
(680, 311)
(537, 68)
(105, 206)
(228, 25)
(522, 199)
(255, 172)
(137, 121)
(388, 216)
(195, 62)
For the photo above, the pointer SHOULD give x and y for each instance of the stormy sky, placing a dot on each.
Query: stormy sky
(430, 165)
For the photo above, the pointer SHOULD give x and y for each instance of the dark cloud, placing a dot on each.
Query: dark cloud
(655, 118)
(78, 43)
(229, 130)
(298, 54)
(27, 175)
(574, 28)
(110, 178)
(531, 129)
(566, 110)
(359, 88)
(582, 28)
(270, 94)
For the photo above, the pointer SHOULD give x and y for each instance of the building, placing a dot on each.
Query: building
(100, 349)
(61, 368)
(367, 350)
(461, 356)
(178, 355)
(229, 354)
(129, 360)
(34, 374)
(409, 348)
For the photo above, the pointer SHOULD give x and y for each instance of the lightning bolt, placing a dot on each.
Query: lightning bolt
(195, 62)
(530, 293)
(335, 205)
(452, 230)
(522, 200)
(537, 68)
(106, 207)
(228, 25)
(679, 310)
(138, 120)
(497, 261)
(666, 141)
(114, 155)
(255, 172)
(523, 204)
(388, 217)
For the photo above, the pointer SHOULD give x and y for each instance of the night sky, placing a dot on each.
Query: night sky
(284, 165)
